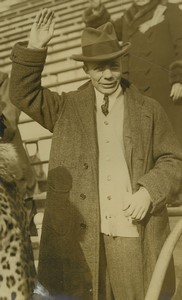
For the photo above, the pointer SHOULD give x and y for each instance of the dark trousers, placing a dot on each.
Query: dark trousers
(121, 275)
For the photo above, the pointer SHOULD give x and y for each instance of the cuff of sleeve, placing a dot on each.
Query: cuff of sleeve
(175, 73)
(145, 193)
(22, 54)
(157, 197)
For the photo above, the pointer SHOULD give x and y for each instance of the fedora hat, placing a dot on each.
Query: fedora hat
(100, 44)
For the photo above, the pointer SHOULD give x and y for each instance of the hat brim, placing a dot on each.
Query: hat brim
(124, 50)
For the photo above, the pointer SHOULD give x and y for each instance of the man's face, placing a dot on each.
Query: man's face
(105, 76)
(141, 2)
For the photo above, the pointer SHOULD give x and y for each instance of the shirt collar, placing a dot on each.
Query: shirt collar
(112, 98)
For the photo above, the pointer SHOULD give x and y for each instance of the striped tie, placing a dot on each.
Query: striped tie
(105, 106)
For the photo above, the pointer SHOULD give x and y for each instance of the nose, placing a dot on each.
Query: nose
(107, 73)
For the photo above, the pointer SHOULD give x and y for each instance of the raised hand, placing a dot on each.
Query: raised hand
(176, 91)
(42, 29)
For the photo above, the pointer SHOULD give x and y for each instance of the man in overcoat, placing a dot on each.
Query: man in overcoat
(114, 164)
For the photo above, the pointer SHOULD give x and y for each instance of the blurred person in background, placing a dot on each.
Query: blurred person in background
(154, 61)
(114, 164)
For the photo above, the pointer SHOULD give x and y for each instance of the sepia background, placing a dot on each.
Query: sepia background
(60, 74)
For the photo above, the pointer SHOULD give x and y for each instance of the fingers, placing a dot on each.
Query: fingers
(140, 215)
(136, 212)
(50, 18)
(38, 16)
(136, 215)
(176, 91)
(137, 205)
(129, 211)
(51, 28)
(126, 206)
(143, 215)
(44, 17)
(172, 92)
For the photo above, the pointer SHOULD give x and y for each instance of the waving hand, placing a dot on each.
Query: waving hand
(42, 29)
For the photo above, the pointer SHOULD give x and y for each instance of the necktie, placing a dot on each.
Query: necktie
(105, 106)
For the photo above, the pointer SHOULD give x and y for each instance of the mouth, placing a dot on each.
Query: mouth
(109, 85)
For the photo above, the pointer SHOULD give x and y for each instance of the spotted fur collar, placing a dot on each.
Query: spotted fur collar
(9, 167)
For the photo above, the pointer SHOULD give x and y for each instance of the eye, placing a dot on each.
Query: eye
(114, 66)
(98, 68)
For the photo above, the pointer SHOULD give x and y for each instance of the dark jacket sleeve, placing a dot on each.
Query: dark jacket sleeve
(164, 180)
(26, 91)
(174, 15)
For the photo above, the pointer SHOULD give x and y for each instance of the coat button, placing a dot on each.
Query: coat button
(83, 196)
(85, 166)
(83, 225)
(91, 291)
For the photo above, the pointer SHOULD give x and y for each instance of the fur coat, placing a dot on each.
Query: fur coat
(12, 135)
(17, 272)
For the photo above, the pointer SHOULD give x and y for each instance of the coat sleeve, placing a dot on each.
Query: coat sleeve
(26, 91)
(175, 27)
(164, 180)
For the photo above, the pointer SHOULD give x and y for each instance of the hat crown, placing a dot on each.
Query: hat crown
(102, 34)
(100, 44)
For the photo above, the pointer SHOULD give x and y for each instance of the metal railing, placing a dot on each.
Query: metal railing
(163, 262)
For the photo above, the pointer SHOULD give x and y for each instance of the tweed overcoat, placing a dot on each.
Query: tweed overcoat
(69, 253)
(154, 61)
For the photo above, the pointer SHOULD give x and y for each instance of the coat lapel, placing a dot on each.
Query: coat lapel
(127, 136)
(85, 108)
(137, 133)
